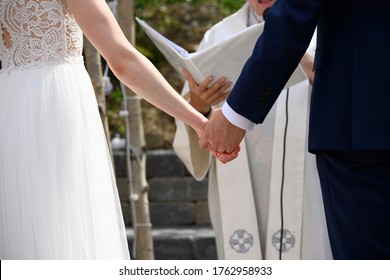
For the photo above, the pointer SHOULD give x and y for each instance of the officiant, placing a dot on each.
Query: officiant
(267, 203)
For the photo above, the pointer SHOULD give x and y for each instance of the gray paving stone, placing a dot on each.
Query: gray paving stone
(204, 245)
(164, 163)
(178, 208)
(177, 189)
(181, 243)
(178, 213)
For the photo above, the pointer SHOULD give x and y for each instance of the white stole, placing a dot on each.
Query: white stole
(294, 174)
(240, 230)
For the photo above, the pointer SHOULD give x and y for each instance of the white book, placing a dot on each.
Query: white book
(225, 59)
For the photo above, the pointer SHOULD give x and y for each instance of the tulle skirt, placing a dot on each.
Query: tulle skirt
(58, 197)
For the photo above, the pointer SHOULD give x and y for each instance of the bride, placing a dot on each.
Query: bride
(58, 198)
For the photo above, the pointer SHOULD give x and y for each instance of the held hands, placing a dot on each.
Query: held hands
(225, 157)
(202, 97)
(221, 137)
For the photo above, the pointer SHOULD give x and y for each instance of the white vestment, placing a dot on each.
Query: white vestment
(247, 195)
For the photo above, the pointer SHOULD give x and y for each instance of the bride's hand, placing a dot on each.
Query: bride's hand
(199, 127)
(226, 157)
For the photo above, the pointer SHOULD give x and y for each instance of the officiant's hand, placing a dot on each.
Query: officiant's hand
(207, 93)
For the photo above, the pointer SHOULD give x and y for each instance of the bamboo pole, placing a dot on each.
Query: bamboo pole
(143, 241)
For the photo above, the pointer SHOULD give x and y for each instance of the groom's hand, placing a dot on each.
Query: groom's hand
(221, 137)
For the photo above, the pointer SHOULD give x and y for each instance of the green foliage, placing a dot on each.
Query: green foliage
(114, 105)
(182, 21)
(227, 6)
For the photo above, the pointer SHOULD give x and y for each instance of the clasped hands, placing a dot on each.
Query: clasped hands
(221, 137)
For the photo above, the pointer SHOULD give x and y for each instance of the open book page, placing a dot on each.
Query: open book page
(178, 57)
(225, 59)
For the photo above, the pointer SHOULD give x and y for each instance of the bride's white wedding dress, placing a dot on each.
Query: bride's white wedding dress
(58, 197)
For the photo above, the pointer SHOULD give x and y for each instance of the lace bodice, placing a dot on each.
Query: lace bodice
(35, 33)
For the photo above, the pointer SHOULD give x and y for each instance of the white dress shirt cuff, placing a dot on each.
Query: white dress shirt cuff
(237, 119)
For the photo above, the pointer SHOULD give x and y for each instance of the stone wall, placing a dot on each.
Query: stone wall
(178, 207)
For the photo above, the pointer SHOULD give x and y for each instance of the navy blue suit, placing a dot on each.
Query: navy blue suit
(350, 108)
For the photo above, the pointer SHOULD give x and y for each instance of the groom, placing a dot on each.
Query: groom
(350, 120)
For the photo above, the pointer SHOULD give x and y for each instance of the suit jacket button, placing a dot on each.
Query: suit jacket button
(268, 92)
(261, 103)
(264, 98)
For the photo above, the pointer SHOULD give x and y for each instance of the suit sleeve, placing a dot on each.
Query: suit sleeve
(287, 33)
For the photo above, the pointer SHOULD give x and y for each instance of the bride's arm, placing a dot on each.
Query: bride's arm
(131, 67)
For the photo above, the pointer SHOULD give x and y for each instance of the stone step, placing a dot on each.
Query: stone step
(164, 163)
(172, 201)
(181, 243)
(178, 207)
(159, 163)
(168, 189)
